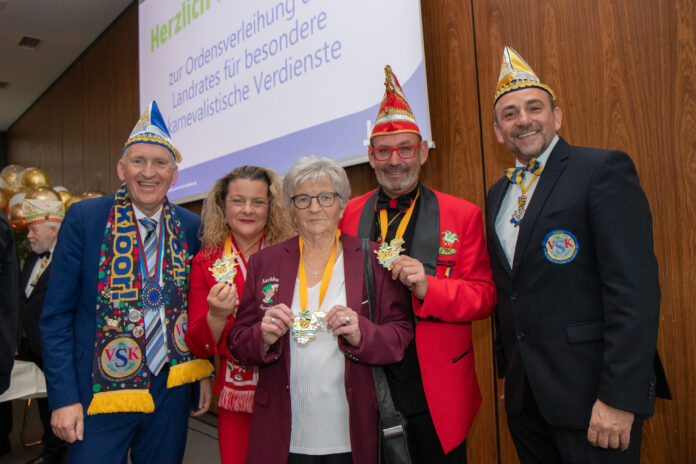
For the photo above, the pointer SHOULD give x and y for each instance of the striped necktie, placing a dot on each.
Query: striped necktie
(156, 344)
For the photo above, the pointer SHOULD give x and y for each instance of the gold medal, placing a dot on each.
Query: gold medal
(106, 293)
(138, 331)
(388, 252)
(224, 269)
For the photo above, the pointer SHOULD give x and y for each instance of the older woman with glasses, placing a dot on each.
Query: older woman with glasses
(304, 319)
(242, 214)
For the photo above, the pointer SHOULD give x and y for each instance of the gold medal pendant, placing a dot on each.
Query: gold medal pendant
(305, 326)
(224, 269)
(388, 252)
(518, 214)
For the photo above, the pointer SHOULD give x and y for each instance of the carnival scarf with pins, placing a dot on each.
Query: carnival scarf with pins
(120, 377)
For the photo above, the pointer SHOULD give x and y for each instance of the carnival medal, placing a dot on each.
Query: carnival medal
(305, 326)
(388, 252)
(224, 269)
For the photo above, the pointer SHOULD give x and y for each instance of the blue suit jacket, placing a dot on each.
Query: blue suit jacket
(68, 322)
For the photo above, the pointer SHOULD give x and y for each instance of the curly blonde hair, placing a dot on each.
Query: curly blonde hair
(215, 227)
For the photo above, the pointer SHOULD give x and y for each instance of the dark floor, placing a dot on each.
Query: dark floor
(201, 445)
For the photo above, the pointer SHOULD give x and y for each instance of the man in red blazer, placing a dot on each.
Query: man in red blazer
(445, 266)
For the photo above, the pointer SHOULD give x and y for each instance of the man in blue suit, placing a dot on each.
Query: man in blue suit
(115, 315)
(571, 245)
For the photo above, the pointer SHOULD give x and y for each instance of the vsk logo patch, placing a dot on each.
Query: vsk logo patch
(560, 246)
(121, 358)
(447, 243)
(180, 332)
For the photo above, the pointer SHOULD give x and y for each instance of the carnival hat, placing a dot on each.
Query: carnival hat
(43, 205)
(516, 74)
(152, 129)
(395, 115)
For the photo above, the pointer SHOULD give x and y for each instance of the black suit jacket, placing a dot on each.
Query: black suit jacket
(9, 272)
(585, 329)
(30, 308)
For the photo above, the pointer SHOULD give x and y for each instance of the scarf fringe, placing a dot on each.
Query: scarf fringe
(121, 401)
(188, 372)
(236, 400)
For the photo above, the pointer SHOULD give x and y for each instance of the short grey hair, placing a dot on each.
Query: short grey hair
(312, 168)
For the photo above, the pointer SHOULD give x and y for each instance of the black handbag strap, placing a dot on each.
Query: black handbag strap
(390, 417)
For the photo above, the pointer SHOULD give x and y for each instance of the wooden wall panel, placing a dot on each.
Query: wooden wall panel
(624, 80)
(122, 87)
(37, 138)
(77, 128)
(71, 86)
(96, 167)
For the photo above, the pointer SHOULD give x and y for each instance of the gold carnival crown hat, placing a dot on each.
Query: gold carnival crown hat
(151, 128)
(42, 205)
(516, 74)
(395, 115)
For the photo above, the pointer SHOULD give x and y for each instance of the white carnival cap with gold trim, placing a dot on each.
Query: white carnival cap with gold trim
(151, 128)
(516, 74)
(42, 210)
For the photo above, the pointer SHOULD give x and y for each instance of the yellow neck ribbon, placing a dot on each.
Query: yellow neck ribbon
(326, 278)
(384, 225)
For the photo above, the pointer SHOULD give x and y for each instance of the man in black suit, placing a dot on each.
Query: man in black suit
(9, 271)
(43, 221)
(571, 245)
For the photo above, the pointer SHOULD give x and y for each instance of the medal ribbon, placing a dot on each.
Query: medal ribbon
(325, 279)
(231, 248)
(384, 225)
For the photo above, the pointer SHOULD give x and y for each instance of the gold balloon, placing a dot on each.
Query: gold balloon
(73, 199)
(65, 195)
(5, 196)
(42, 193)
(11, 178)
(93, 194)
(16, 217)
(35, 177)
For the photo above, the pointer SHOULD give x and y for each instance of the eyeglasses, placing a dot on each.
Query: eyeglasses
(404, 152)
(324, 199)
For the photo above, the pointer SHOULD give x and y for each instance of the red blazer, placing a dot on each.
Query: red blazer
(382, 342)
(199, 338)
(448, 241)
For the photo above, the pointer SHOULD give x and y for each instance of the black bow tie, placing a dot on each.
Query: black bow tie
(45, 254)
(402, 203)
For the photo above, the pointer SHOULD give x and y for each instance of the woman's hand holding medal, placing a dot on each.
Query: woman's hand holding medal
(343, 321)
(276, 323)
(222, 300)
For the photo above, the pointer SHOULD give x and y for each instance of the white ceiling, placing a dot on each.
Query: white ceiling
(66, 28)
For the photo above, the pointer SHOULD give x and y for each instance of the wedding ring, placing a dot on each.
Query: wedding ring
(347, 320)
(272, 320)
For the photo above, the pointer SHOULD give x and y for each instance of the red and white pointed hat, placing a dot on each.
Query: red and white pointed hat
(395, 115)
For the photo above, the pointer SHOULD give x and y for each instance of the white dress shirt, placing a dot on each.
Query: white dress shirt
(507, 232)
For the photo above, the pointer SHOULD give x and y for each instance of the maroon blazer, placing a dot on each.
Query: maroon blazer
(382, 342)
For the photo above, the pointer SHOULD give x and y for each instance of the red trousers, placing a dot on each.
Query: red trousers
(233, 436)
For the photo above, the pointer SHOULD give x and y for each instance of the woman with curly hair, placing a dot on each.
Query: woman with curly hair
(242, 214)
